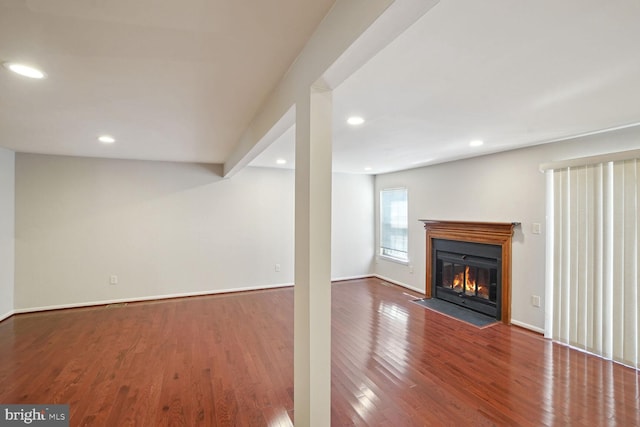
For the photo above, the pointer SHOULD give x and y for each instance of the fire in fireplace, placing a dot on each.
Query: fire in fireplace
(468, 274)
(486, 248)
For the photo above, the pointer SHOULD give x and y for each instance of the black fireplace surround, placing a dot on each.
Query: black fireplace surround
(468, 274)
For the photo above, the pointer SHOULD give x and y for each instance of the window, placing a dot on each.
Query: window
(393, 224)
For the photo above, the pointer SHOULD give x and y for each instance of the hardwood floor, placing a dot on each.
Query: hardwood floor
(227, 360)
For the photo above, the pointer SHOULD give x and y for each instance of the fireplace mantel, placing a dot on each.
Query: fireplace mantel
(494, 233)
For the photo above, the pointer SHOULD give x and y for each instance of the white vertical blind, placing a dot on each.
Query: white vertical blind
(593, 261)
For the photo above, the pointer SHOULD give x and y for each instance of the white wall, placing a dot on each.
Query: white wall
(352, 225)
(176, 228)
(7, 232)
(163, 228)
(504, 187)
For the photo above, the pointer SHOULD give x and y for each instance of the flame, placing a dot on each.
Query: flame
(483, 292)
(458, 279)
(466, 280)
(470, 285)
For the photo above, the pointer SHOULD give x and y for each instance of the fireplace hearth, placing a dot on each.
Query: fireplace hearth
(469, 264)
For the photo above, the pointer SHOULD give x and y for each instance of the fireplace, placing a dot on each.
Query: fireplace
(468, 274)
(469, 264)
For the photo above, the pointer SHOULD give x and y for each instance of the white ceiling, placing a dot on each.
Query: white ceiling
(169, 79)
(181, 80)
(509, 73)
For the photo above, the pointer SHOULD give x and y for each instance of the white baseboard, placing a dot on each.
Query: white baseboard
(147, 298)
(527, 326)
(421, 291)
(395, 282)
(6, 315)
(160, 297)
(223, 291)
(169, 296)
(342, 279)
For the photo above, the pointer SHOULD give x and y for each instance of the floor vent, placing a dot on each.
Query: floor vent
(116, 305)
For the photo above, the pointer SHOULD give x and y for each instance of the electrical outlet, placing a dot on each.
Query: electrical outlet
(113, 280)
(277, 268)
(411, 268)
(535, 300)
(537, 228)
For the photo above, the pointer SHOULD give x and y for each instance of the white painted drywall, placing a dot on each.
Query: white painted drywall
(352, 226)
(163, 228)
(502, 187)
(7, 231)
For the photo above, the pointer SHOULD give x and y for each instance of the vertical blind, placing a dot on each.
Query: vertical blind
(593, 261)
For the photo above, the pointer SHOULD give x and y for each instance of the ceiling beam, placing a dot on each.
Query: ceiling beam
(351, 33)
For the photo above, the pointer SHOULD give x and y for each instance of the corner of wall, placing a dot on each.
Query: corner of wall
(7, 233)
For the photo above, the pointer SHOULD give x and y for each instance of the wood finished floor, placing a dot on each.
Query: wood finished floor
(227, 360)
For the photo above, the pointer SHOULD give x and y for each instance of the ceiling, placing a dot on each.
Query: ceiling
(182, 80)
(511, 74)
(168, 79)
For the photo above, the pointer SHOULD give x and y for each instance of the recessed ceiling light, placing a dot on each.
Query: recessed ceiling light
(106, 139)
(355, 120)
(24, 70)
(281, 161)
(421, 162)
(476, 143)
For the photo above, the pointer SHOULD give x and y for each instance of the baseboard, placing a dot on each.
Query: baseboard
(527, 326)
(346, 278)
(223, 291)
(421, 291)
(147, 298)
(395, 282)
(7, 315)
(166, 296)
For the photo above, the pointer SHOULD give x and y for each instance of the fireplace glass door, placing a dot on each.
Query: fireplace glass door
(468, 274)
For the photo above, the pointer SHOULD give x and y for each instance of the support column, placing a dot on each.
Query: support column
(312, 328)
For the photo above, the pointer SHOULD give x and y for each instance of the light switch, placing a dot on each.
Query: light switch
(535, 300)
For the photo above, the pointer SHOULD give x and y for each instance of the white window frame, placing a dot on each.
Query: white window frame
(394, 253)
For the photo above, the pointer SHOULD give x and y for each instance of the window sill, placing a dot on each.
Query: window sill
(395, 260)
